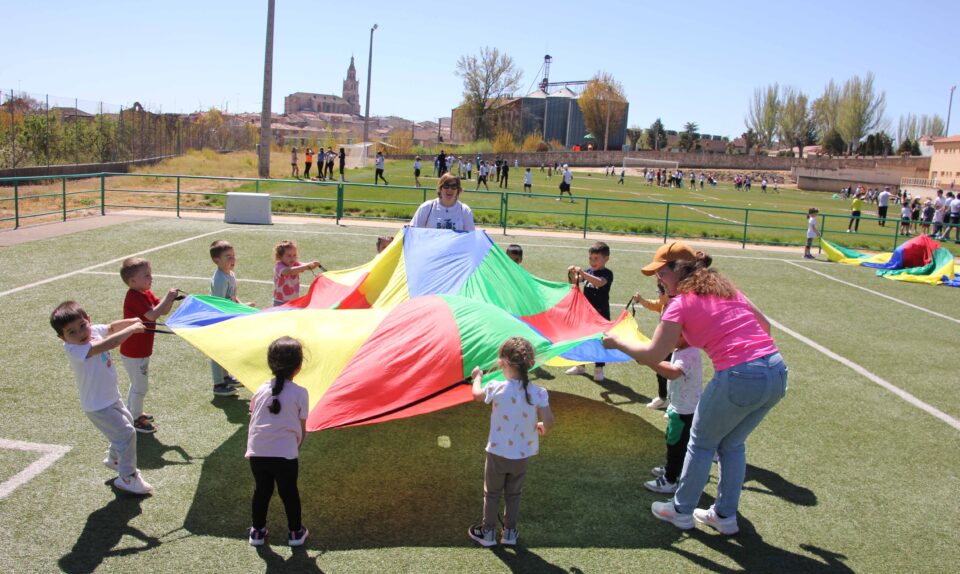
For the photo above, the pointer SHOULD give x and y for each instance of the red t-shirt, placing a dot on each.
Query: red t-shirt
(136, 304)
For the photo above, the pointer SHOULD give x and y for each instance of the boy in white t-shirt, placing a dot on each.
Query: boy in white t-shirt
(812, 231)
(684, 373)
(528, 182)
(88, 348)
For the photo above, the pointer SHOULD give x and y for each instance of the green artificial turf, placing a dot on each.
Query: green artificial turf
(843, 475)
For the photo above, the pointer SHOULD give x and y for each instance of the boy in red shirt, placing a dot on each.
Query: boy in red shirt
(136, 350)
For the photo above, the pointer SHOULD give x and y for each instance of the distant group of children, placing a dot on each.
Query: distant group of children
(279, 407)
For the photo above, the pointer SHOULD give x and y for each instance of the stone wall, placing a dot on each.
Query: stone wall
(81, 168)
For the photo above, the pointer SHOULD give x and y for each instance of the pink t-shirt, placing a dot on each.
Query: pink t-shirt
(726, 329)
(285, 287)
(278, 434)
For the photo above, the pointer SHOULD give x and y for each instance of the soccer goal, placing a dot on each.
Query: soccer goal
(637, 165)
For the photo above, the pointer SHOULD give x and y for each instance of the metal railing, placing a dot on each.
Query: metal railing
(340, 200)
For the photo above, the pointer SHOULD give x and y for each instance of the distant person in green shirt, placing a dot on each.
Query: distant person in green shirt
(855, 206)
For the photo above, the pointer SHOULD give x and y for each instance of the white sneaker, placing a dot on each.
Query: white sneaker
(133, 483)
(666, 512)
(709, 518)
(509, 536)
(111, 463)
(657, 403)
(577, 370)
(658, 471)
(661, 485)
(598, 374)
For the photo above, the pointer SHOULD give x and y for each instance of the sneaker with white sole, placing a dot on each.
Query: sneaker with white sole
(257, 536)
(509, 536)
(577, 370)
(657, 403)
(133, 483)
(598, 374)
(224, 390)
(709, 517)
(666, 512)
(298, 537)
(658, 471)
(485, 538)
(143, 425)
(661, 485)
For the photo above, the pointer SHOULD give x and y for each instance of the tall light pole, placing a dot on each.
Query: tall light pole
(263, 157)
(366, 113)
(946, 132)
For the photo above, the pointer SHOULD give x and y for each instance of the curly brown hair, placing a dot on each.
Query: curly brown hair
(697, 277)
(519, 354)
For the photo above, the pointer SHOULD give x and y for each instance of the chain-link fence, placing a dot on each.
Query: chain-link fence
(44, 130)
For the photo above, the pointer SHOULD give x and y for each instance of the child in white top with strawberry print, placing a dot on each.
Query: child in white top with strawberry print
(286, 273)
(518, 404)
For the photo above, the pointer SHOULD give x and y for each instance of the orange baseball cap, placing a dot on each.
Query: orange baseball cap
(675, 251)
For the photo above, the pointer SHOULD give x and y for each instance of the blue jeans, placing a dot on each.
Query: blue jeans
(733, 404)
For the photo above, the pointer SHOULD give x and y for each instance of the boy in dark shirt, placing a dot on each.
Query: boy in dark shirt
(596, 288)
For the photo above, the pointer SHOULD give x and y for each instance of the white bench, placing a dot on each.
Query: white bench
(248, 208)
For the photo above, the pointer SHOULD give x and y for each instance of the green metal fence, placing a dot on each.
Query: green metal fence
(340, 200)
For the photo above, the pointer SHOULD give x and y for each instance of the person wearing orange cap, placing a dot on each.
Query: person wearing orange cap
(750, 377)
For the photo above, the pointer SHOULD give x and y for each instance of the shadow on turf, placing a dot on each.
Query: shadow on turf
(775, 485)
(752, 554)
(103, 531)
(299, 561)
(150, 453)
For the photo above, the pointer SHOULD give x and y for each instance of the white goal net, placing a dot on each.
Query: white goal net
(637, 165)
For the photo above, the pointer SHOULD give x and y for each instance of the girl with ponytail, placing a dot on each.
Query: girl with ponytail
(278, 416)
(750, 377)
(521, 412)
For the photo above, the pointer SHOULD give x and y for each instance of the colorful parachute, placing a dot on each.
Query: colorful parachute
(398, 336)
(920, 260)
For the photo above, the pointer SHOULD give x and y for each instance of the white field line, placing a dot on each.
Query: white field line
(872, 292)
(51, 453)
(184, 277)
(117, 260)
(870, 376)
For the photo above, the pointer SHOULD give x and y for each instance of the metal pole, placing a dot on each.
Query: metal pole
(16, 204)
(746, 216)
(366, 113)
(949, 109)
(63, 196)
(263, 157)
(586, 213)
(666, 224)
(103, 194)
(178, 196)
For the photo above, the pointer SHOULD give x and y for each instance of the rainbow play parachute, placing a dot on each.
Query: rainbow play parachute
(920, 260)
(398, 336)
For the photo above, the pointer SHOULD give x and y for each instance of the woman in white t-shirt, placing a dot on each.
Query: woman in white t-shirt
(446, 211)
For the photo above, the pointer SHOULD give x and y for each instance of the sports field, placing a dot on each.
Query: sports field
(857, 470)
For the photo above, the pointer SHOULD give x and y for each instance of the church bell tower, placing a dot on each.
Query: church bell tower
(351, 89)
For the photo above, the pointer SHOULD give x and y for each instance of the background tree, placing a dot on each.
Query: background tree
(825, 108)
(750, 139)
(689, 139)
(656, 136)
(487, 78)
(833, 143)
(763, 114)
(634, 136)
(532, 142)
(603, 105)
(913, 127)
(794, 118)
(504, 142)
(860, 111)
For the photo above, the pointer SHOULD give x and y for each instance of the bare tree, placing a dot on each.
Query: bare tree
(860, 111)
(603, 104)
(794, 124)
(487, 79)
(763, 113)
(825, 108)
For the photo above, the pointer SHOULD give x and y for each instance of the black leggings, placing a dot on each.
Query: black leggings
(306, 170)
(268, 470)
(678, 450)
(662, 381)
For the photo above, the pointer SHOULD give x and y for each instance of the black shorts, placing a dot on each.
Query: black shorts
(416, 172)
(882, 211)
(481, 179)
(564, 187)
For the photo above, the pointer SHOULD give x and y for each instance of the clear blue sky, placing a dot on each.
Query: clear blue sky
(682, 61)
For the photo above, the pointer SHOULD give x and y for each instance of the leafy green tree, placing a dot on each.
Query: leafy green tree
(750, 139)
(689, 139)
(487, 79)
(656, 136)
(861, 109)
(763, 114)
(794, 118)
(825, 109)
(833, 143)
(603, 105)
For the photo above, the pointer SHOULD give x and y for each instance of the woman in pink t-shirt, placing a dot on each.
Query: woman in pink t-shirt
(750, 378)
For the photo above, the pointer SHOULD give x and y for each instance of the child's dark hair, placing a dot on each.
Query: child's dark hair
(284, 358)
(280, 248)
(219, 247)
(519, 354)
(514, 249)
(131, 266)
(601, 248)
(66, 313)
(812, 210)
